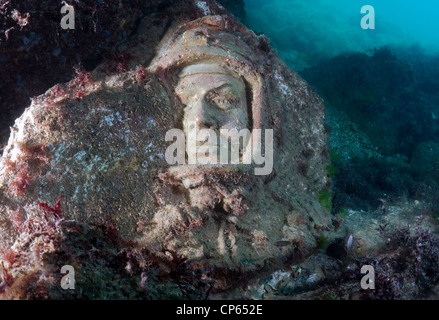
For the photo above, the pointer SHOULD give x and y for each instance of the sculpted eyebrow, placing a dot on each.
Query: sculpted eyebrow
(224, 86)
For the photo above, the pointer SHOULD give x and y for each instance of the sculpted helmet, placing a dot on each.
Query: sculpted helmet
(224, 45)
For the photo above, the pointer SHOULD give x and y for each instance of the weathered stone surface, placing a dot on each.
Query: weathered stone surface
(36, 52)
(99, 142)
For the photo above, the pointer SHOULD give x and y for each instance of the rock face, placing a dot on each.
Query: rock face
(32, 44)
(99, 142)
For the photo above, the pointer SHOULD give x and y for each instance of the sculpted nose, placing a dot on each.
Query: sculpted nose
(202, 115)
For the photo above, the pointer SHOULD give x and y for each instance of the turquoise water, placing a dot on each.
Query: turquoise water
(306, 31)
(384, 82)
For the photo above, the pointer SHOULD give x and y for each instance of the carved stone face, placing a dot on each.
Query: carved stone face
(214, 99)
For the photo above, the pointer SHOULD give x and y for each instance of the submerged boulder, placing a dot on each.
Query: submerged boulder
(98, 141)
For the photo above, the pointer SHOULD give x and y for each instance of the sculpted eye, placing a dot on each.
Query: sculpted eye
(222, 100)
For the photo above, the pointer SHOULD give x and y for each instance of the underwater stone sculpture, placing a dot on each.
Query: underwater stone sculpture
(99, 142)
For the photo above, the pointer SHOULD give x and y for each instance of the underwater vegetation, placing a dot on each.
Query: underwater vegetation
(107, 266)
(32, 45)
(379, 92)
(382, 111)
(407, 267)
(388, 95)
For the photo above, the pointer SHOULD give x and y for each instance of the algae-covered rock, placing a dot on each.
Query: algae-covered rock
(36, 52)
(99, 142)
